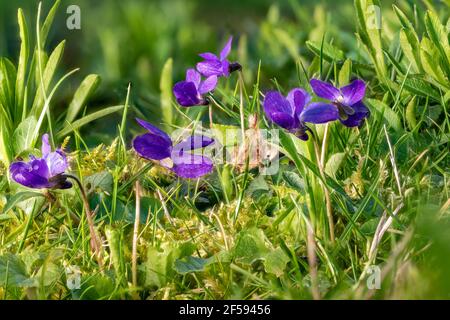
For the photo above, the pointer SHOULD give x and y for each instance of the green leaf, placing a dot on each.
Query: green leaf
(250, 246)
(99, 181)
(391, 118)
(22, 66)
(82, 95)
(369, 227)
(345, 73)
(47, 76)
(411, 113)
(48, 23)
(428, 53)
(5, 144)
(87, 119)
(275, 262)
(294, 181)
(329, 52)
(191, 264)
(7, 88)
(23, 135)
(12, 271)
(369, 33)
(165, 86)
(411, 48)
(19, 197)
(160, 265)
(334, 163)
(417, 85)
(439, 36)
(48, 274)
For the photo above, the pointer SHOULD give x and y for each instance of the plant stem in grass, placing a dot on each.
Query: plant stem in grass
(324, 187)
(137, 218)
(210, 116)
(95, 240)
(312, 261)
(244, 144)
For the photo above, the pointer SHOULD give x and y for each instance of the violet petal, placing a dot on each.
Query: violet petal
(152, 147)
(325, 90)
(319, 112)
(192, 166)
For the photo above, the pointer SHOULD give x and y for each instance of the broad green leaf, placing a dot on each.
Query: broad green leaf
(417, 85)
(369, 21)
(404, 21)
(48, 23)
(96, 286)
(334, 163)
(437, 33)
(82, 95)
(294, 181)
(391, 118)
(345, 73)
(428, 53)
(160, 265)
(114, 237)
(101, 180)
(330, 53)
(19, 197)
(191, 264)
(411, 48)
(6, 153)
(47, 76)
(47, 275)
(7, 87)
(22, 66)
(411, 113)
(165, 86)
(87, 119)
(250, 246)
(12, 271)
(275, 262)
(369, 227)
(23, 135)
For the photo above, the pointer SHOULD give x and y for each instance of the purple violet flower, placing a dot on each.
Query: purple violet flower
(217, 66)
(293, 111)
(157, 145)
(46, 172)
(348, 100)
(190, 92)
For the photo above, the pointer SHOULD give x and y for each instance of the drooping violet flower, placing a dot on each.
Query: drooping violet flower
(348, 100)
(42, 173)
(292, 112)
(157, 145)
(190, 92)
(217, 66)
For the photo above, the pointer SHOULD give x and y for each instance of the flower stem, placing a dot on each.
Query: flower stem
(95, 242)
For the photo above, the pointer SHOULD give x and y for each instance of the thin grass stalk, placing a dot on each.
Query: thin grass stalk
(137, 218)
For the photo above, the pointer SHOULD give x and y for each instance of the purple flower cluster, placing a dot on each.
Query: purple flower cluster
(157, 145)
(191, 91)
(294, 111)
(46, 172)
